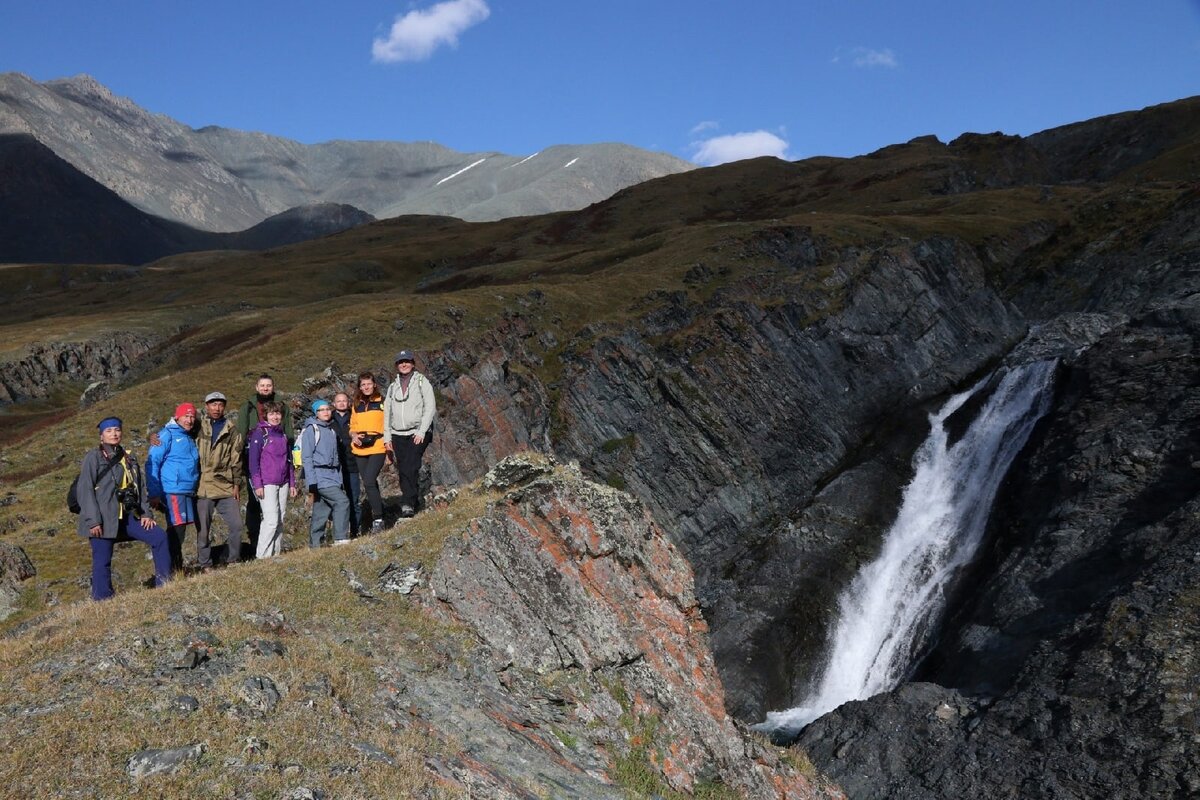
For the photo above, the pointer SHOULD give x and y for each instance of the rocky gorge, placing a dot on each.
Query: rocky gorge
(762, 393)
(774, 439)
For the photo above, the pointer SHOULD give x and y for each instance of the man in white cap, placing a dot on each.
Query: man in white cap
(221, 445)
(408, 412)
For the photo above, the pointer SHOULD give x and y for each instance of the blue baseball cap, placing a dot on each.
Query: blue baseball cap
(404, 355)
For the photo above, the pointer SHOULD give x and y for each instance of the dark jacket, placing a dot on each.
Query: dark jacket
(342, 425)
(99, 506)
(248, 418)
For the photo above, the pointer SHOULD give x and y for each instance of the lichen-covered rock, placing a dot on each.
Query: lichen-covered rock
(155, 762)
(515, 470)
(571, 582)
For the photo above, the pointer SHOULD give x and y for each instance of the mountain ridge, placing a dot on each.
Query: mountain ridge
(222, 179)
(52, 213)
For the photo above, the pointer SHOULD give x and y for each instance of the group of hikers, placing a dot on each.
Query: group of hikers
(202, 463)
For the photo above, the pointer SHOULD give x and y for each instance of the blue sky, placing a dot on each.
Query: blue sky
(702, 80)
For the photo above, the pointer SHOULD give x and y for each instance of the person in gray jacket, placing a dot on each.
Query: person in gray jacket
(408, 412)
(321, 457)
(112, 498)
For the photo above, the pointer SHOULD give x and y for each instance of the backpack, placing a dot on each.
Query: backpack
(73, 493)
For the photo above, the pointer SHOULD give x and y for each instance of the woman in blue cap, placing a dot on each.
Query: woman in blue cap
(321, 457)
(112, 501)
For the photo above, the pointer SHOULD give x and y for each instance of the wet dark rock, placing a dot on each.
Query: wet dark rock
(156, 762)
(1082, 629)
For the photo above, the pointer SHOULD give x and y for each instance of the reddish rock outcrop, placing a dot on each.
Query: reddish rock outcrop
(572, 584)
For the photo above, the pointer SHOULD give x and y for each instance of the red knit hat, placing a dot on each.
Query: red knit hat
(184, 408)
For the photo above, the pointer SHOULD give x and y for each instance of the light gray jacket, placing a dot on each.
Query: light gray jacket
(411, 412)
(99, 506)
(320, 455)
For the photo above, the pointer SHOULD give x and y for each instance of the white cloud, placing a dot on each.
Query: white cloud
(706, 125)
(867, 58)
(736, 146)
(415, 35)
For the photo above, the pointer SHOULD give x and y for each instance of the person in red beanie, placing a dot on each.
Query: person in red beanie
(172, 475)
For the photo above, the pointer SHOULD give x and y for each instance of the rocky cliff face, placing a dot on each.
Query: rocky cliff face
(571, 580)
(741, 424)
(772, 440)
(41, 372)
(1070, 672)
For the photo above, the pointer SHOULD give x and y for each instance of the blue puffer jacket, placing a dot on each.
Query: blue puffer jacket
(319, 453)
(173, 466)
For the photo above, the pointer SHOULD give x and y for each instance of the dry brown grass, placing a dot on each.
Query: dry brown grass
(79, 694)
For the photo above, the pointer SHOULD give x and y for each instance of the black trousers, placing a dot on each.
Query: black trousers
(369, 468)
(408, 466)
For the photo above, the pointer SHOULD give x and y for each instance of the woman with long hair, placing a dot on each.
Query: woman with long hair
(367, 443)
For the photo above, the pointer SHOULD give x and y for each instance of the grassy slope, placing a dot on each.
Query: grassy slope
(89, 671)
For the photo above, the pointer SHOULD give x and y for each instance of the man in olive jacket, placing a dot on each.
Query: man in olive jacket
(220, 444)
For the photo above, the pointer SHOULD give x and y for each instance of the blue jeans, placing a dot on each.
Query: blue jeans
(330, 502)
(102, 552)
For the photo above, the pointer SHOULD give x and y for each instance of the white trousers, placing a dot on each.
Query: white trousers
(274, 506)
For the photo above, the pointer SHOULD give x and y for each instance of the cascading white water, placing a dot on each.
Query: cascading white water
(894, 602)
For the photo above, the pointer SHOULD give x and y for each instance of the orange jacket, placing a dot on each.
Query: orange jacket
(366, 416)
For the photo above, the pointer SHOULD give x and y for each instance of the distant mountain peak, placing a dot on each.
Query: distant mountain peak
(222, 179)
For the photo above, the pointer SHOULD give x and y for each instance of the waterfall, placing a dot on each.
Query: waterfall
(894, 604)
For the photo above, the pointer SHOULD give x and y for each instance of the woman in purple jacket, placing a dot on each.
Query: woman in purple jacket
(272, 477)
